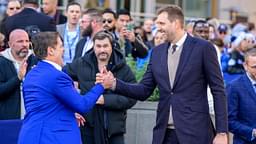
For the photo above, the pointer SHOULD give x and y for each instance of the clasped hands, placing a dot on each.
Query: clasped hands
(106, 78)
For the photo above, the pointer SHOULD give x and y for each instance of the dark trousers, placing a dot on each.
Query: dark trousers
(170, 137)
(88, 137)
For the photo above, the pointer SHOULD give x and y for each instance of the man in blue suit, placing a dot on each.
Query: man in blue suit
(181, 70)
(50, 97)
(242, 103)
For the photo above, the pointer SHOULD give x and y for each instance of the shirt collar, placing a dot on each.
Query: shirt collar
(181, 41)
(58, 67)
(251, 80)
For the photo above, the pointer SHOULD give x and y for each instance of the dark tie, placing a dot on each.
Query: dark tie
(174, 47)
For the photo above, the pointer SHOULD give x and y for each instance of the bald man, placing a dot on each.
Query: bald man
(15, 62)
(49, 7)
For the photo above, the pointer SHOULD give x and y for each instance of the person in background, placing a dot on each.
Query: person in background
(71, 32)
(242, 42)
(138, 30)
(29, 19)
(51, 100)
(222, 31)
(106, 123)
(49, 7)
(189, 27)
(158, 38)
(13, 7)
(91, 23)
(147, 27)
(2, 44)
(241, 102)
(15, 62)
(109, 20)
(124, 33)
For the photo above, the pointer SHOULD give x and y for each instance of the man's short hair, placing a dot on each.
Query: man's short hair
(108, 10)
(123, 12)
(93, 14)
(35, 2)
(71, 4)
(249, 52)
(102, 35)
(174, 13)
(42, 41)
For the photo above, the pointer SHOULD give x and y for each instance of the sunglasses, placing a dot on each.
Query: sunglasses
(12, 8)
(107, 20)
(223, 32)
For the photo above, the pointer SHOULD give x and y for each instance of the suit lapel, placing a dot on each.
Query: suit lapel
(164, 63)
(185, 54)
(249, 87)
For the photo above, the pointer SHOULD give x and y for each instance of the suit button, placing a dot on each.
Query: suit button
(172, 93)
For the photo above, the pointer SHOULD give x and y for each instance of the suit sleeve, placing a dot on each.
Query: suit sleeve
(52, 25)
(235, 126)
(215, 81)
(68, 95)
(119, 102)
(139, 91)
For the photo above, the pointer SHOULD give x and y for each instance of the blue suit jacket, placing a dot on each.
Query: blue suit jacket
(50, 102)
(197, 68)
(241, 109)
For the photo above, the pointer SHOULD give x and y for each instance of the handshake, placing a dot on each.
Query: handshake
(106, 78)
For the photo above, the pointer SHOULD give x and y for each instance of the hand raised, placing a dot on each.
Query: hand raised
(22, 69)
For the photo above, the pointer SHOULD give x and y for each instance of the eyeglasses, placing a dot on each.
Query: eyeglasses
(12, 8)
(107, 20)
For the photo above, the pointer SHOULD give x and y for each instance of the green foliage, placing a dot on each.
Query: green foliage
(139, 74)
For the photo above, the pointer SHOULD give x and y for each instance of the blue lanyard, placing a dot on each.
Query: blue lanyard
(72, 41)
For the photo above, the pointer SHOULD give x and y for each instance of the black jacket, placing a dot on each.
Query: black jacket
(28, 17)
(10, 88)
(84, 70)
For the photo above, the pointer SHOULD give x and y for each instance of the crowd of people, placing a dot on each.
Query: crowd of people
(59, 70)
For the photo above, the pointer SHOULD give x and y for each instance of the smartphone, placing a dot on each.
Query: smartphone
(129, 26)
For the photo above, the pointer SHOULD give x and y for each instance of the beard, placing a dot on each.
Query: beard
(88, 31)
(108, 28)
(22, 53)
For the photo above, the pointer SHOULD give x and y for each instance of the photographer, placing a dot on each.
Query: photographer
(124, 34)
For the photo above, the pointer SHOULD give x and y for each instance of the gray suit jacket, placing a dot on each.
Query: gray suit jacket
(61, 30)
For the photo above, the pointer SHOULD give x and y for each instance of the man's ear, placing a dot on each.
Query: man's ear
(245, 66)
(50, 51)
(9, 44)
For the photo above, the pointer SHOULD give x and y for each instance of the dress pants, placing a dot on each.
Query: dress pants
(170, 137)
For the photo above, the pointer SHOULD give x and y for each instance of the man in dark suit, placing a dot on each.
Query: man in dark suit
(29, 19)
(181, 69)
(242, 103)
